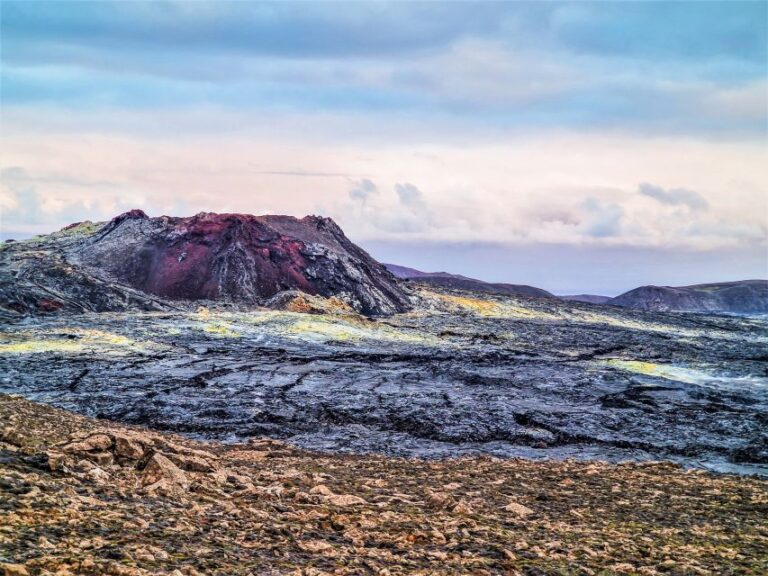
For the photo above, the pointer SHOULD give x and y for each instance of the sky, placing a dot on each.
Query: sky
(580, 147)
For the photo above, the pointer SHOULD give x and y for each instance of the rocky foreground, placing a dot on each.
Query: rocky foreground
(82, 496)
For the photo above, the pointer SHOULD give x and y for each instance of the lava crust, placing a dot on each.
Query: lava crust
(463, 374)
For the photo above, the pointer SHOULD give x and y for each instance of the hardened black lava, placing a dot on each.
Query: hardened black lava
(464, 373)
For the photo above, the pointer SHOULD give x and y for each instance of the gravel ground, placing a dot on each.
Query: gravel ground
(83, 496)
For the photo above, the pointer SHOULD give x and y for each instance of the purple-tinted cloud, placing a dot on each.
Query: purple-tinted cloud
(675, 196)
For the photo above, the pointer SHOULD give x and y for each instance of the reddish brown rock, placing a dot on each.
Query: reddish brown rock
(127, 447)
(241, 258)
(97, 442)
(160, 474)
(14, 570)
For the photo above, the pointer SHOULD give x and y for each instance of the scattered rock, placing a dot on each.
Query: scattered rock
(321, 489)
(66, 524)
(127, 447)
(518, 509)
(315, 546)
(344, 500)
(160, 474)
(14, 570)
(463, 507)
(623, 568)
(439, 499)
(101, 458)
(56, 460)
(97, 442)
(193, 463)
(98, 475)
(12, 436)
(275, 490)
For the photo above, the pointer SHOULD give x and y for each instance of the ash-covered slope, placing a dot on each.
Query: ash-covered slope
(745, 297)
(227, 257)
(459, 282)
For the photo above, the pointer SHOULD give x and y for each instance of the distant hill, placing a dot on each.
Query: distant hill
(408, 273)
(446, 280)
(588, 298)
(746, 296)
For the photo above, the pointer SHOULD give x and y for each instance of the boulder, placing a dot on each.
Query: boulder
(56, 460)
(14, 570)
(518, 509)
(321, 489)
(93, 443)
(344, 500)
(128, 447)
(193, 463)
(160, 474)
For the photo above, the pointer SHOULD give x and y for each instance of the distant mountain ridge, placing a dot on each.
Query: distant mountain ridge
(587, 298)
(744, 296)
(446, 280)
(739, 297)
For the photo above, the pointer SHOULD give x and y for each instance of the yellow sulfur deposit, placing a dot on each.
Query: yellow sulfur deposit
(680, 373)
(71, 341)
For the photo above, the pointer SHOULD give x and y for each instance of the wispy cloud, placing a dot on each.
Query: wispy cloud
(601, 219)
(675, 196)
(36, 202)
(409, 195)
(516, 64)
(362, 190)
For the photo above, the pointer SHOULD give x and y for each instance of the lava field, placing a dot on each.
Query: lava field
(463, 373)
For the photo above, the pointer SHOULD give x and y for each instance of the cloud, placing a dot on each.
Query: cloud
(601, 219)
(403, 212)
(705, 30)
(518, 123)
(675, 197)
(286, 30)
(409, 195)
(516, 189)
(42, 202)
(24, 206)
(673, 30)
(745, 234)
(698, 70)
(362, 190)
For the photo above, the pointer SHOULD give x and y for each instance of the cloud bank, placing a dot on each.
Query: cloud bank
(599, 126)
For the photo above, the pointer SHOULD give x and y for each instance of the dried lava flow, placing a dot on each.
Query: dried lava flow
(431, 383)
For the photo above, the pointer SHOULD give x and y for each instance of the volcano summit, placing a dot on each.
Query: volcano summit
(236, 258)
